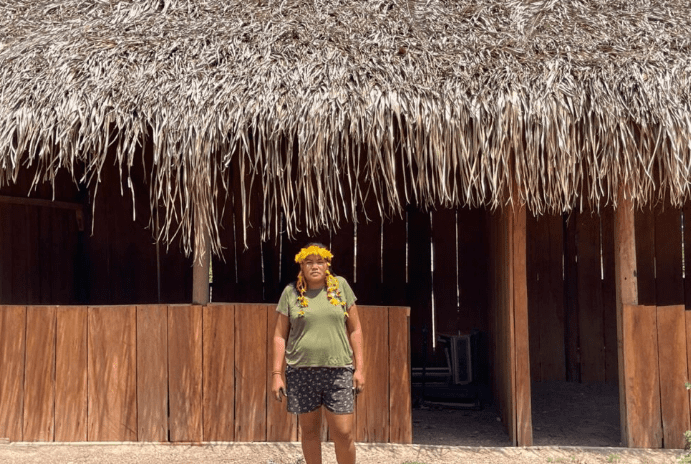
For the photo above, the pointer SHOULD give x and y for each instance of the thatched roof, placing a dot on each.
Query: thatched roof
(325, 102)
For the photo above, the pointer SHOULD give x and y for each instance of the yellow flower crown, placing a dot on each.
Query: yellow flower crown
(313, 250)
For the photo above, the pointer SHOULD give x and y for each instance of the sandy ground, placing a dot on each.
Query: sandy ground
(289, 453)
(572, 423)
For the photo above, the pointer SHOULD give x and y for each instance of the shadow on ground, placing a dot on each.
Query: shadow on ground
(564, 414)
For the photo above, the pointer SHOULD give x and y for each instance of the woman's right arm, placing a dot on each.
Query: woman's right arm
(280, 337)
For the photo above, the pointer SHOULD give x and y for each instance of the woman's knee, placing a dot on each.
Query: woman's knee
(343, 434)
(311, 424)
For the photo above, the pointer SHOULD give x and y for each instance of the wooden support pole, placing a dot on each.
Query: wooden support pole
(626, 282)
(200, 272)
(521, 347)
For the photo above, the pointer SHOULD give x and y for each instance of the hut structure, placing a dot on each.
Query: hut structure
(519, 167)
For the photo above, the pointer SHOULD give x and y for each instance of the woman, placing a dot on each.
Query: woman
(318, 332)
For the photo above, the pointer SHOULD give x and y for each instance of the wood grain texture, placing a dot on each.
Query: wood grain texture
(674, 400)
(5, 254)
(112, 382)
(400, 404)
(642, 382)
(472, 270)
(687, 318)
(552, 322)
(669, 283)
(219, 372)
(71, 374)
(152, 373)
(185, 372)
(626, 293)
(524, 422)
(645, 255)
(536, 298)
(498, 374)
(571, 327)
(446, 277)
(687, 254)
(394, 286)
(280, 425)
(12, 352)
(372, 415)
(590, 310)
(609, 297)
(45, 251)
(39, 376)
(250, 372)
(20, 245)
(420, 290)
(507, 323)
(247, 245)
(343, 247)
(33, 258)
(368, 285)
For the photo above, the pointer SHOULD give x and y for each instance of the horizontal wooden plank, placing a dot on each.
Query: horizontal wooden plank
(39, 202)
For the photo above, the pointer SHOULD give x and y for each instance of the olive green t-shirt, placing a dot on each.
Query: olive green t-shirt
(319, 338)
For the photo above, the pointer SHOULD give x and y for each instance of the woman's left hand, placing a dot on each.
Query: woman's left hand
(358, 381)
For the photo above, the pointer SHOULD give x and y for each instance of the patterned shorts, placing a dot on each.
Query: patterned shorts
(310, 387)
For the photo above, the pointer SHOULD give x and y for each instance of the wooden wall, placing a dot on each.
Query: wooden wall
(121, 254)
(508, 316)
(176, 373)
(571, 284)
(657, 353)
(372, 257)
(50, 254)
(40, 243)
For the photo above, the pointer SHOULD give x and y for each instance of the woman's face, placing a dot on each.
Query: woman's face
(314, 270)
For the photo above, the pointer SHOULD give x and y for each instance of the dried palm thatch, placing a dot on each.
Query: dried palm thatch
(323, 103)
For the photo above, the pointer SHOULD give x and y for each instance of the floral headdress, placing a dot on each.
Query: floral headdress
(333, 293)
(313, 250)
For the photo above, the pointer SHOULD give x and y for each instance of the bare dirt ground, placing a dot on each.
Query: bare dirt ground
(289, 453)
(572, 423)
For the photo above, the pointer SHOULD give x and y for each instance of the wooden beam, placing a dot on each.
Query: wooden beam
(40, 202)
(626, 282)
(522, 401)
(78, 208)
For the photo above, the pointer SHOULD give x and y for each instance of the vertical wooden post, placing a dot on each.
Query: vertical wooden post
(200, 274)
(626, 282)
(521, 346)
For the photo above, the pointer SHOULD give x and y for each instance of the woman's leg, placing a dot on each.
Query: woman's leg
(310, 427)
(343, 435)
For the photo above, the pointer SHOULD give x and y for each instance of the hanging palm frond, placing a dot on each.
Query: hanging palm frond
(327, 103)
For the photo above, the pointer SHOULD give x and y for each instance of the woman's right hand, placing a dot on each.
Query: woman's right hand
(278, 386)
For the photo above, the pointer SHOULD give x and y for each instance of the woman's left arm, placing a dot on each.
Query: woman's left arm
(355, 335)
